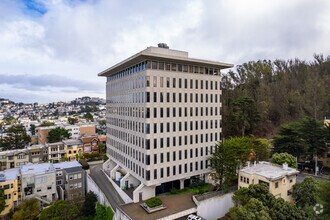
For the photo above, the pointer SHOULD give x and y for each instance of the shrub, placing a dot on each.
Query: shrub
(174, 191)
(154, 202)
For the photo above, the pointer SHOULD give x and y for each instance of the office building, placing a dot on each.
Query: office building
(163, 118)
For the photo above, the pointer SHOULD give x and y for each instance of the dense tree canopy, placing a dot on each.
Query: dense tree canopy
(305, 137)
(89, 204)
(305, 193)
(282, 91)
(256, 202)
(29, 209)
(233, 153)
(281, 158)
(2, 200)
(58, 134)
(16, 138)
(60, 210)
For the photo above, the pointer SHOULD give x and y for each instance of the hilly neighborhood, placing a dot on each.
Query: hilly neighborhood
(143, 110)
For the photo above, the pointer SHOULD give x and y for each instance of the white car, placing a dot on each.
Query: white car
(194, 217)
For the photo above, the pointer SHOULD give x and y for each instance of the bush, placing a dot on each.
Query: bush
(84, 164)
(174, 191)
(154, 202)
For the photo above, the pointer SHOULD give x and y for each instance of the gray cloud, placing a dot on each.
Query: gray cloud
(78, 39)
(43, 82)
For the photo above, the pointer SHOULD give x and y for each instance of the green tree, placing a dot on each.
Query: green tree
(46, 124)
(305, 193)
(88, 116)
(103, 212)
(89, 204)
(314, 134)
(2, 200)
(29, 209)
(283, 210)
(72, 120)
(60, 210)
(58, 134)
(276, 208)
(305, 137)
(32, 129)
(245, 115)
(253, 210)
(323, 195)
(289, 140)
(227, 157)
(16, 137)
(261, 149)
(102, 122)
(281, 158)
(261, 192)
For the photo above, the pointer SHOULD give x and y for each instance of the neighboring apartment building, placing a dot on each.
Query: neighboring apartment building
(163, 118)
(13, 158)
(91, 142)
(87, 129)
(9, 182)
(75, 131)
(39, 181)
(280, 179)
(73, 147)
(42, 133)
(56, 151)
(38, 153)
(70, 180)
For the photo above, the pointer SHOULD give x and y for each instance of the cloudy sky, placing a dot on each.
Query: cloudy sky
(52, 50)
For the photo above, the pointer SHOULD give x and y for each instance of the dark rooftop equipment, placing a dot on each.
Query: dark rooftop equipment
(163, 45)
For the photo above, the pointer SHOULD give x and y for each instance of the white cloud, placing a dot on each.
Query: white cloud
(77, 39)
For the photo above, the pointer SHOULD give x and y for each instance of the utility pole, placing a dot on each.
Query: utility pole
(316, 168)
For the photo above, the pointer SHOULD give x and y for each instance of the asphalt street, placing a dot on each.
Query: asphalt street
(301, 176)
(102, 181)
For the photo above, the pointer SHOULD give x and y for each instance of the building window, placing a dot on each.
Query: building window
(276, 184)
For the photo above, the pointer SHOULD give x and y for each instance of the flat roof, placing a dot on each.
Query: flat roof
(269, 170)
(67, 164)
(163, 54)
(72, 141)
(173, 203)
(40, 168)
(8, 175)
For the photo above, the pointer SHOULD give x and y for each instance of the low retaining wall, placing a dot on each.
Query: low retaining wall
(95, 162)
(92, 186)
(122, 194)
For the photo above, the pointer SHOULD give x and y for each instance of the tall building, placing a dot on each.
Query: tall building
(163, 118)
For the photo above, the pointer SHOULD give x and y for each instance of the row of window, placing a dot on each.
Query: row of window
(161, 65)
(181, 97)
(161, 142)
(141, 112)
(181, 126)
(176, 169)
(75, 176)
(182, 83)
(178, 155)
(75, 185)
(165, 97)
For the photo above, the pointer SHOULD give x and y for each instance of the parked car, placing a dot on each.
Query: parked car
(194, 217)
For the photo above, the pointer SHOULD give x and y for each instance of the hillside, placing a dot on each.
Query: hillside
(263, 94)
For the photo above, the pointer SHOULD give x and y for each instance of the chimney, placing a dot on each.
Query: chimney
(255, 163)
(248, 163)
(285, 166)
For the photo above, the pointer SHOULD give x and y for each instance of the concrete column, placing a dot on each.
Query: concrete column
(182, 183)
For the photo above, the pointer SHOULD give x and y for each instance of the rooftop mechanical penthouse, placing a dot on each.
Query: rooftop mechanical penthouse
(163, 119)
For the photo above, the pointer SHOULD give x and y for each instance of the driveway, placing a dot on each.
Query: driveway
(102, 181)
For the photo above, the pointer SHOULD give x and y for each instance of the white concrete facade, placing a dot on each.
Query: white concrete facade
(163, 117)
